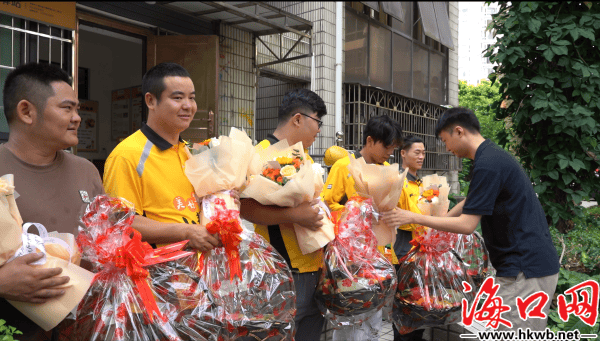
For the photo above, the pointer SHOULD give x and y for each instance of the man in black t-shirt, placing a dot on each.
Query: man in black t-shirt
(513, 222)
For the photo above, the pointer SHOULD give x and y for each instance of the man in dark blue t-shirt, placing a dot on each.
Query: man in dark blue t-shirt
(513, 222)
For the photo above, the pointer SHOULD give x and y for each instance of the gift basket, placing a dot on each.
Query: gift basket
(286, 179)
(356, 280)
(471, 249)
(17, 241)
(430, 289)
(250, 282)
(138, 293)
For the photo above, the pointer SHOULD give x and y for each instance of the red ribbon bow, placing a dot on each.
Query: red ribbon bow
(226, 224)
(135, 254)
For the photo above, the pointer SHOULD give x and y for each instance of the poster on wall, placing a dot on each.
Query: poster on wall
(88, 129)
(120, 113)
(136, 108)
(61, 14)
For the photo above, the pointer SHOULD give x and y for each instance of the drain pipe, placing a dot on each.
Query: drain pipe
(339, 50)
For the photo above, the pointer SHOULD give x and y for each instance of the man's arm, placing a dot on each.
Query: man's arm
(464, 224)
(20, 281)
(334, 188)
(456, 211)
(164, 233)
(304, 214)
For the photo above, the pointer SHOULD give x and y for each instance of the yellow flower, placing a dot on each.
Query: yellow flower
(288, 171)
(284, 160)
(5, 188)
(427, 193)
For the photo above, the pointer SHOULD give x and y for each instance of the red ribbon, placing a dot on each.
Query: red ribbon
(135, 254)
(226, 224)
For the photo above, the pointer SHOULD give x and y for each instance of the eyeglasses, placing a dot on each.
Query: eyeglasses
(318, 121)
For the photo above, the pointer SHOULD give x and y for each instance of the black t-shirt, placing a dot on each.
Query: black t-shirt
(513, 222)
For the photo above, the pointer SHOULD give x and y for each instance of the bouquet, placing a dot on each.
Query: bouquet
(10, 219)
(430, 280)
(471, 249)
(138, 293)
(356, 280)
(433, 198)
(17, 242)
(287, 179)
(384, 184)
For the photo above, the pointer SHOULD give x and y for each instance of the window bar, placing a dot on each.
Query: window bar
(61, 48)
(25, 42)
(50, 47)
(12, 43)
(38, 44)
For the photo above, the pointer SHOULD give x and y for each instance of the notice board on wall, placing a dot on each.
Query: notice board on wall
(126, 112)
(88, 129)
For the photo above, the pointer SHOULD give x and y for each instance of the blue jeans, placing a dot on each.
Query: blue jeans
(308, 321)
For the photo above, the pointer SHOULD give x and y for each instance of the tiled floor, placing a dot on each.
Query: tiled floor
(385, 334)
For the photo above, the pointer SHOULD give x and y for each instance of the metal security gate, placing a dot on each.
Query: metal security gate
(23, 41)
(416, 118)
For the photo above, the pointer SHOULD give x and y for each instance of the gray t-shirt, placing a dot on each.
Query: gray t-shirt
(55, 196)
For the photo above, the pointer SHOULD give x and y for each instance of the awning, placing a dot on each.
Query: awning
(258, 18)
(393, 8)
(434, 18)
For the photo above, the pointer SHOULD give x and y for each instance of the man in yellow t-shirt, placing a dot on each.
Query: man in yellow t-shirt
(380, 137)
(147, 167)
(299, 120)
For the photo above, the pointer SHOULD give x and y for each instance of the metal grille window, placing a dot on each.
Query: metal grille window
(24, 41)
(416, 118)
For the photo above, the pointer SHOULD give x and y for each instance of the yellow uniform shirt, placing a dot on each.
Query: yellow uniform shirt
(148, 171)
(283, 237)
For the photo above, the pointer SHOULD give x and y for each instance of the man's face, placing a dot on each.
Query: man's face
(177, 105)
(381, 153)
(453, 142)
(58, 124)
(309, 128)
(414, 156)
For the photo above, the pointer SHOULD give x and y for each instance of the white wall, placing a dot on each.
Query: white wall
(113, 63)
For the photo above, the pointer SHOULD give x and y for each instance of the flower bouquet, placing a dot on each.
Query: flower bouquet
(384, 184)
(430, 280)
(17, 242)
(138, 293)
(471, 249)
(288, 179)
(433, 198)
(356, 280)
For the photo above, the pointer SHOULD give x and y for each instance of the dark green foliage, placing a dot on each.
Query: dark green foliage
(549, 74)
(7, 332)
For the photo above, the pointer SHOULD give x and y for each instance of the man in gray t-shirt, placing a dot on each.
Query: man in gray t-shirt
(53, 186)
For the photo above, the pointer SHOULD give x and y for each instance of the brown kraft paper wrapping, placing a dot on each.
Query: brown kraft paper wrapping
(10, 220)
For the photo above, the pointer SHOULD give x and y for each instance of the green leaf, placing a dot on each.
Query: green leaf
(576, 166)
(563, 164)
(587, 97)
(542, 47)
(574, 34)
(513, 58)
(534, 25)
(538, 80)
(553, 174)
(548, 54)
(560, 50)
(562, 42)
(536, 118)
(589, 34)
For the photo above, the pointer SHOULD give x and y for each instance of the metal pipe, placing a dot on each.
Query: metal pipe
(339, 17)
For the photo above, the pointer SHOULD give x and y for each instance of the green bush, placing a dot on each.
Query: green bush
(7, 332)
(582, 244)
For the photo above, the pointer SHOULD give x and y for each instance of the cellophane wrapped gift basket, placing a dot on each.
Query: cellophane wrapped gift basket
(356, 280)
(250, 282)
(430, 276)
(138, 293)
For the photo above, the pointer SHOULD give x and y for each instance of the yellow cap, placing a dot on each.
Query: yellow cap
(334, 153)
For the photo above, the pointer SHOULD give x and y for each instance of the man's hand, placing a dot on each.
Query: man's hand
(20, 281)
(397, 217)
(236, 196)
(307, 215)
(199, 238)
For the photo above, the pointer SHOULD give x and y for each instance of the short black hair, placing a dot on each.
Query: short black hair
(458, 116)
(408, 141)
(303, 101)
(31, 82)
(154, 79)
(383, 128)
